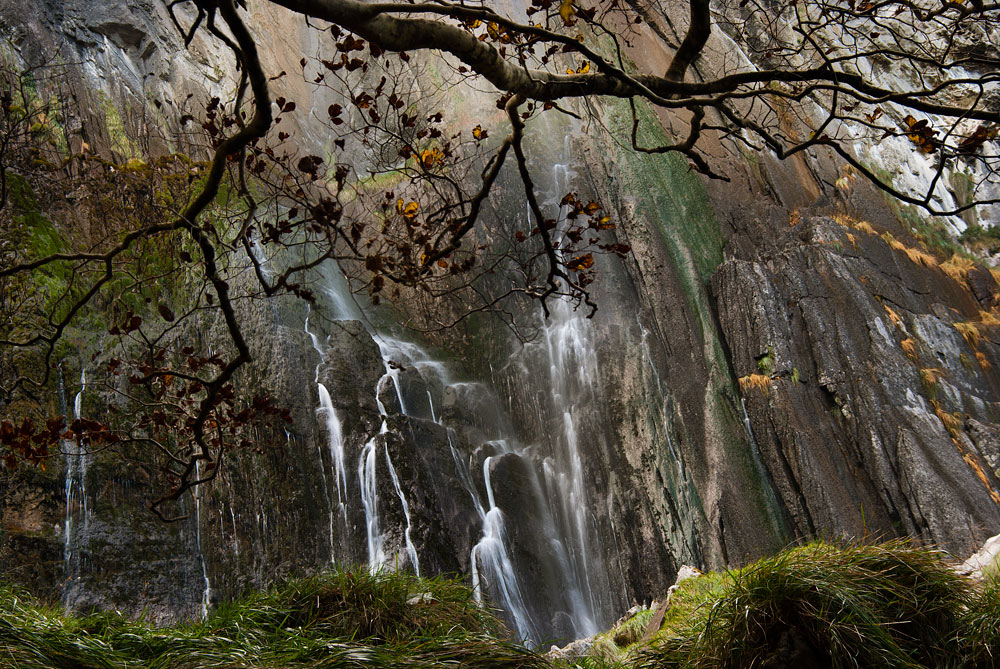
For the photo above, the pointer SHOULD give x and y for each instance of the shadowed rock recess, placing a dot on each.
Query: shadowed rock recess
(756, 374)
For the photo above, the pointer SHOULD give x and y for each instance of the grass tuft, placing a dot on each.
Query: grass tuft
(958, 267)
(887, 605)
(758, 382)
(896, 319)
(970, 333)
(341, 619)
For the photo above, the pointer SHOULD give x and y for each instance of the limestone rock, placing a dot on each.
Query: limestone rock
(984, 561)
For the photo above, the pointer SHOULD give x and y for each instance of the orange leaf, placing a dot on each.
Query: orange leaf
(578, 263)
(566, 11)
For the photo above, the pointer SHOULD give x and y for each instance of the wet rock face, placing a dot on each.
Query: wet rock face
(443, 516)
(874, 408)
(871, 396)
(351, 368)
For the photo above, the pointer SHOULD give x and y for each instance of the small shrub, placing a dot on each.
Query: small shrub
(928, 379)
(888, 605)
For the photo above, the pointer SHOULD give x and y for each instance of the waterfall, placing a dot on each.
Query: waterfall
(206, 593)
(555, 492)
(392, 374)
(393, 352)
(411, 550)
(369, 500)
(491, 552)
(567, 345)
(236, 534)
(77, 518)
(336, 442)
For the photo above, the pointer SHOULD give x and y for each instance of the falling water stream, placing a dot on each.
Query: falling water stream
(77, 518)
(556, 484)
(206, 593)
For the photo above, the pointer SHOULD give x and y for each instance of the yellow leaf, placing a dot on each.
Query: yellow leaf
(477, 132)
(430, 156)
(585, 261)
(584, 69)
(566, 11)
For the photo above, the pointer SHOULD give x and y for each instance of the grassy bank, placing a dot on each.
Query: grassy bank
(341, 619)
(886, 605)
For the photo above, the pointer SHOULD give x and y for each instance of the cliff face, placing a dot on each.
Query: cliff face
(765, 367)
(873, 420)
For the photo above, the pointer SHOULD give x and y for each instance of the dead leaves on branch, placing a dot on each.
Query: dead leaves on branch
(408, 210)
(921, 134)
(568, 11)
(925, 138)
(974, 142)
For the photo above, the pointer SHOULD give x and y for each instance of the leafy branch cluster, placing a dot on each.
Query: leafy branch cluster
(403, 199)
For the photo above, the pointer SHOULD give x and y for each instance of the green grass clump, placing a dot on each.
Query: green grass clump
(888, 605)
(982, 631)
(340, 619)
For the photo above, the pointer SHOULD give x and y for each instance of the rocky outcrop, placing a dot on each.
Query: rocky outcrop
(983, 563)
(867, 375)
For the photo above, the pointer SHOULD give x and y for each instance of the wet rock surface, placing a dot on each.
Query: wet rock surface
(872, 409)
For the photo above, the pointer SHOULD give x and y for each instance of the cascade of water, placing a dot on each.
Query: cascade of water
(465, 476)
(430, 402)
(411, 550)
(206, 594)
(369, 499)
(568, 341)
(83, 458)
(491, 549)
(236, 534)
(565, 518)
(386, 350)
(336, 442)
(491, 552)
(391, 374)
(67, 484)
(77, 463)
